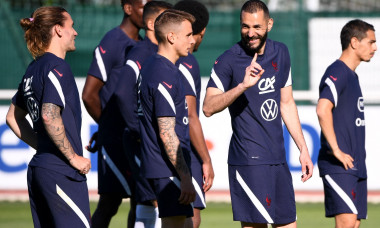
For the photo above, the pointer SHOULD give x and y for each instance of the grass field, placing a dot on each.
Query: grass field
(310, 215)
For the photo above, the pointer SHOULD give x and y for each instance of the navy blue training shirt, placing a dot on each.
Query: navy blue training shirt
(255, 115)
(49, 79)
(340, 85)
(161, 95)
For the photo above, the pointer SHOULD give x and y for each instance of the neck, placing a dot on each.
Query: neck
(130, 29)
(350, 60)
(151, 36)
(168, 52)
(56, 50)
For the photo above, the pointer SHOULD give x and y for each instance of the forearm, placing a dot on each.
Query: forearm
(217, 102)
(197, 139)
(325, 119)
(172, 145)
(290, 117)
(56, 130)
(93, 106)
(20, 126)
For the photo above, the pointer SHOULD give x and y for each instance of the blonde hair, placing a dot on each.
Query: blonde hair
(38, 28)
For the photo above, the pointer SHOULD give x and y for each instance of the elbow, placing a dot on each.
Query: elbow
(207, 112)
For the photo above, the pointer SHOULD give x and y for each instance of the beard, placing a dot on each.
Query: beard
(252, 50)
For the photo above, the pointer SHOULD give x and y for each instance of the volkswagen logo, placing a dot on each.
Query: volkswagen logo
(269, 110)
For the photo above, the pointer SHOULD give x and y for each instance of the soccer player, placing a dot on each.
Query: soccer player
(201, 166)
(126, 96)
(340, 111)
(114, 175)
(164, 120)
(253, 80)
(48, 93)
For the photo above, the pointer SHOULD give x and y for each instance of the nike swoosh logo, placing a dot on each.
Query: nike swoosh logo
(101, 50)
(169, 86)
(333, 78)
(60, 75)
(189, 66)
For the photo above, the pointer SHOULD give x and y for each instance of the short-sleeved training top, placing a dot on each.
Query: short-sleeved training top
(109, 57)
(340, 85)
(126, 91)
(189, 67)
(49, 79)
(255, 115)
(161, 95)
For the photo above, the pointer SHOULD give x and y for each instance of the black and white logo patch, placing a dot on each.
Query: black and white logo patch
(269, 110)
(33, 109)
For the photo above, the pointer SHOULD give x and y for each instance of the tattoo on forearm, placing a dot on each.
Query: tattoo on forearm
(52, 119)
(171, 143)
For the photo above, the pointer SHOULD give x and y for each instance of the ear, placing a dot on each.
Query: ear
(57, 30)
(270, 24)
(354, 42)
(127, 9)
(171, 37)
(150, 24)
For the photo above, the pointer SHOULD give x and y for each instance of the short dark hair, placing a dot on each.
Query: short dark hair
(198, 10)
(170, 16)
(154, 7)
(355, 28)
(253, 6)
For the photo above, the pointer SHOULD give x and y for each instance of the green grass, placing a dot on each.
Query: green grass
(310, 215)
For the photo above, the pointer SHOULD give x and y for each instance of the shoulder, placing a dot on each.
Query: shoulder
(276, 46)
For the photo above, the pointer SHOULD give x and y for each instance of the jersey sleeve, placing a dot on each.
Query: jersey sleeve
(17, 99)
(188, 79)
(221, 74)
(332, 84)
(288, 81)
(54, 85)
(126, 97)
(164, 97)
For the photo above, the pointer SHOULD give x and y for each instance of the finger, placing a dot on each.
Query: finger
(254, 58)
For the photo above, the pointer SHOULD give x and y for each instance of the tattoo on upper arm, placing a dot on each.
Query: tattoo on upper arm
(171, 143)
(53, 123)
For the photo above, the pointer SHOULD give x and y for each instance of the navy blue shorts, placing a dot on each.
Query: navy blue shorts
(57, 200)
(196, 171)
(345, 193)
(262, 194)
(114, 173)
(168, 192)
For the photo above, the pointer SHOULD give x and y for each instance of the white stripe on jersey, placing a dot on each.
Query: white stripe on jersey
(333, 90)
(217, 80)
(134, 67)
(57, 86)
(167, 96)
(199, 191)
(137, 160)
(254, 199)
(289, 81)
(176, 181)
(100, 62)
(73, 206)
(342, 194)
(188, 76)
(116, 171)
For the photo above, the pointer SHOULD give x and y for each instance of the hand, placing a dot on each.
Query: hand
(89, 147)
(82, 164)
(252, 73)
(187, 191)
(307, 166)
(208, 176)
(346, 159)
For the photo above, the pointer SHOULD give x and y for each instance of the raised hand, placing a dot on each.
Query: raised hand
(253, 73)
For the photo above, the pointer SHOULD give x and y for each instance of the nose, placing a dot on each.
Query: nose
(192, 41)
(75, 33)
(251, 32)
